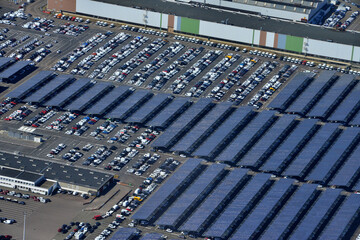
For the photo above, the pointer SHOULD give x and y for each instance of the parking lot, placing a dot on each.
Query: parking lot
(136, 57)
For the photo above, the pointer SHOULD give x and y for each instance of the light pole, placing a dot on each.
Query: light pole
(24, 225)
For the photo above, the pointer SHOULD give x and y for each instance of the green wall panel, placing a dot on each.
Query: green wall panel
(294, 44)
(189, 25)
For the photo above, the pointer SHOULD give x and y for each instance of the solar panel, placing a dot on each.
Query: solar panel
(129, 105)
(89, 96)
(168, 189)
(177, 106)
(125, 234)
(356, 120)
(268, 142)
(51, 88)
(326, 105)
(291, 91)
(150, 108)
(231, 125)
(183, 123)
(303, 162)
(314, 217)
(204, 127)
(349, 171)
(31, 84)
(109, 100)
(266, 209)
(290, 213)
(290, 146)
(214, 203)
(239, 207)
(152, 236)
(341, 225)
(73, 90)
(345, 111)
(4, 61)
(187, 201)
(329, 163)
(313, 93)
(247, 137)
(8, 72)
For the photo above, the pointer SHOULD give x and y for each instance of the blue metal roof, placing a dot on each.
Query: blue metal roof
(130, 103)
(176, 106)
(198, 188)
(31, 84)
(326, 105)
(71, 91)
(108, 100)
(315, 215)
(291, 212)
(51, 88)
(254, 129)
(291, 91)
(237, 119)
(293, 143)
(319, 143)
(211, 204)
(204, 127)
(265, 144)
(273, 199)
(312, 93)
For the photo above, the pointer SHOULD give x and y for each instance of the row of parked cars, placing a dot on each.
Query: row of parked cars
(143, 30)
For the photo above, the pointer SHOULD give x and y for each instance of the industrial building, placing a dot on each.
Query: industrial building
(234, 26)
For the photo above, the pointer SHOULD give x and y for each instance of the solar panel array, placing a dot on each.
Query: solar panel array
(13, 69)
(51, 88)
(184, 204)
(203, 128)
(268, 142)
(312, 93)
(31, 84)
(247, 135)
(109, 100)
(332, 98)
(177, 106)
(129, 104)
(168, 189)
(356, 120)
(73, 90)
(125, 234)
(290, 146)
(4, 61)
(152, 236)
(183, 123)
(80, 103)
(212, 205)
(150, 108)
(225, 132)
(291, 91)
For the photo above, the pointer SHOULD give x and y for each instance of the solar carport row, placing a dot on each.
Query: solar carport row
(13, 69)
(72, 91)
(109, 100)
(315, 148)
(31, 85)
(155, 204)
(50, 89)
(331, 161)
(333, 97)
(152, 236)
(215, 202)
(189, 199)
(291, 91)
(203, 128)
(312, 93)
(183, 123)
(263, 212)
(5, 62)
(345, 221)
(240, 206)
(356, 119)
(291, 213)
(250, 133)
(125, 234)
(129, 105)
(169, 113)
(86, 99)
(150, 108)
(311, 223)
